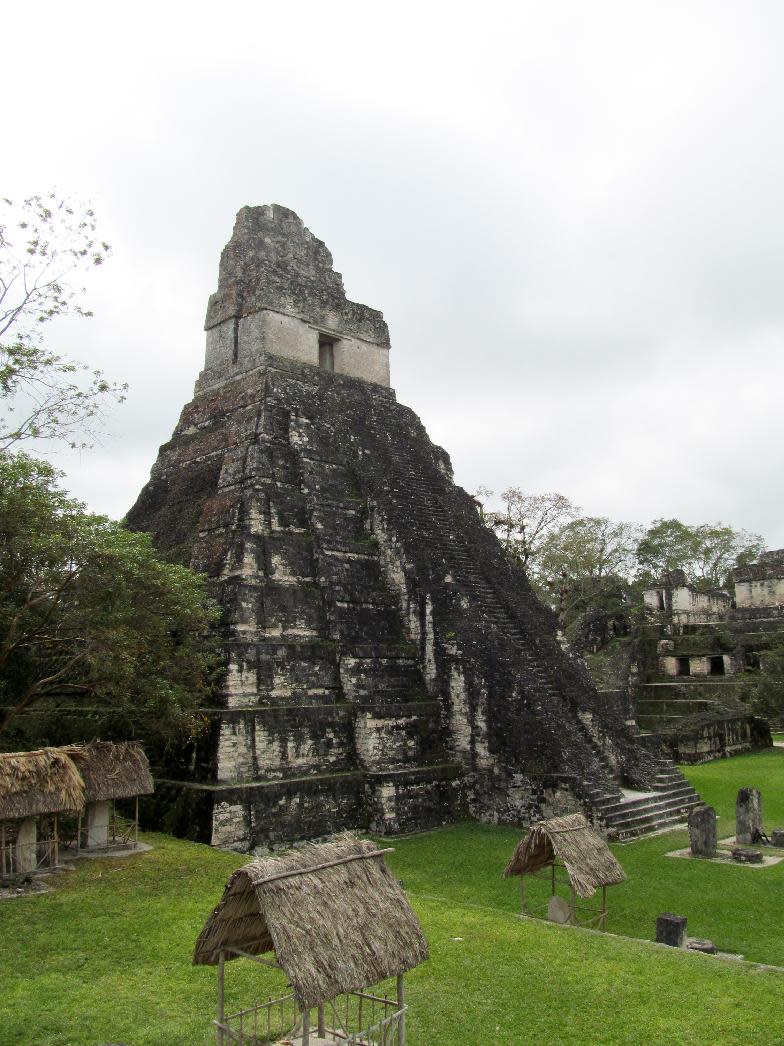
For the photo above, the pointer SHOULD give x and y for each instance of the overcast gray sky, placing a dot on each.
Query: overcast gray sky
(570, 213)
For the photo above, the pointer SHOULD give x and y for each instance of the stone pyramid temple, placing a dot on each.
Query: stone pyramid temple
(386, 667)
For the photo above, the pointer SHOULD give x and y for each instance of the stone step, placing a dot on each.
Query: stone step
(332, 544)
(663, 780)
(650, 814)
(389, 697)
(402, 709)
(404, 653)
(659, 799)
(627, 812)
(436, 771)
(645, 825)
(627, 834)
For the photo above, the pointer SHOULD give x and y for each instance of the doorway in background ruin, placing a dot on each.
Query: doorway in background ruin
(326, 353)
(716, 666)
(682, 666)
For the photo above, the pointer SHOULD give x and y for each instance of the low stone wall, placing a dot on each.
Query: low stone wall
(702, 739)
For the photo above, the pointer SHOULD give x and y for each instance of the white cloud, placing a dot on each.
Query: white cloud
(570, 214)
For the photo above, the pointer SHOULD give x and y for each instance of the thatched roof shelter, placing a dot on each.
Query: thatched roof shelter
(112, 771)
(41, 782)
(571, 839)
(334, 915)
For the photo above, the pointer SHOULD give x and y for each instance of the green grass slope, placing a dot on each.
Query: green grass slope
(739, 908)
(106, 957)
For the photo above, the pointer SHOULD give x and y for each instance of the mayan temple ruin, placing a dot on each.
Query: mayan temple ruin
(387, 668)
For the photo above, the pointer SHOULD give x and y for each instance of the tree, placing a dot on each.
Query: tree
(45, 244)
(766, 687)
(706, 553)
(87, 608)
(526, 522)
(588, 563)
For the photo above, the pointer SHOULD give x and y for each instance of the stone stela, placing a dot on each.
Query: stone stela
(748, 817)
(702, 831)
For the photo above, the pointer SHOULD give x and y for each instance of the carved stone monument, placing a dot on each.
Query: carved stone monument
(748, 816)
(702, 831)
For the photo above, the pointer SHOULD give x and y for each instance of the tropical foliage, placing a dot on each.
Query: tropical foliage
(87, 608)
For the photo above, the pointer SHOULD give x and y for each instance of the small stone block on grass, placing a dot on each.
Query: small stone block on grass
(777, 837)
(558, 911)
(744, 856)
(671, 930)
(700, 944)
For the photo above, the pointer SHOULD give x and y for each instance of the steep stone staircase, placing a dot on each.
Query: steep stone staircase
(622, 813)
(634, 814)
(409, 486)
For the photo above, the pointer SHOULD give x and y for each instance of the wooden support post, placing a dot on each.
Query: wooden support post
(3, 868)
(136, 825)
(221, 1009)
(56, 841)
(553, 872)
(322, 1024)
(603, 918)
(79, 833)
(306, 1028)
(401, 1001)
(573, 904)
(522, 895)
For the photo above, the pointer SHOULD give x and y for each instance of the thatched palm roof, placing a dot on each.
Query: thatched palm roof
(571, 839)
(42, 782)
(112, 771)
(333, 914)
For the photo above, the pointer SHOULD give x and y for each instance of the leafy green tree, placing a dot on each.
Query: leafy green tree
(526, 521)
(588, 563)
(706, 553)
(88, 610)
(765, 691)
(46, 245)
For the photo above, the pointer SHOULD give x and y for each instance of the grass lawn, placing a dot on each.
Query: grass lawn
(105, 958)
(739, 909)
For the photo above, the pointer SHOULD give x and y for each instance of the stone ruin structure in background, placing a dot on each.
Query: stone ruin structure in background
(387, 668)
(690, 687)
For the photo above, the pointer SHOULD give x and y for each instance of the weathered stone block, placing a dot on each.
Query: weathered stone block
(671, 930)
(25, 847)
(412, 800)
(97, 824)
(285, 741)
(748, 816)
(702, 831)
(398, 735)
(558, 911)
(701, 944)
(744, 855)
